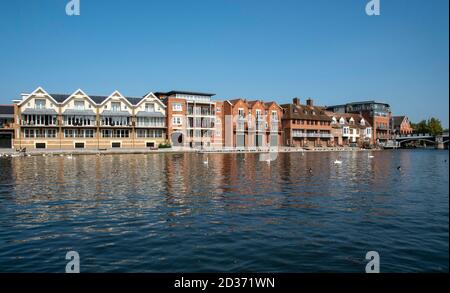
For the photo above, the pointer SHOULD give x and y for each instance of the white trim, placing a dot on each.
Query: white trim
(120, 96)
(34, 93)
(152, 96)
(74, 94)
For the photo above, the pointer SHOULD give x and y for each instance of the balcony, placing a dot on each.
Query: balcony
(311, 135)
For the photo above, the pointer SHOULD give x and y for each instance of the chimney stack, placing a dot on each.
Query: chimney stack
(310, 102)
(296, 101)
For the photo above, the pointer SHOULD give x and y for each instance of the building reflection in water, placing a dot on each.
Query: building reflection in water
(117, 186)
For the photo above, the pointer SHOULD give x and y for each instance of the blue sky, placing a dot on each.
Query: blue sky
(273, 50)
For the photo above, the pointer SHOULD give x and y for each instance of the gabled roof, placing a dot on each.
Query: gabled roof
(304, 112)
(98, 100)
(235, 101)
(357, 118)
(397, 120)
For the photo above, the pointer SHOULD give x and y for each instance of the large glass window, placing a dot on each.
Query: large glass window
(79, 105)
(115, 106)
(40, 103)
(150, 107)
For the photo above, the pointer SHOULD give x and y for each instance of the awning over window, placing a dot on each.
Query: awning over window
(109, 113)
(39, 112)
(79, 112)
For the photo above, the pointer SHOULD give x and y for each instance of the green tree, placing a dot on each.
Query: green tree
(421, 127)
(434, 126)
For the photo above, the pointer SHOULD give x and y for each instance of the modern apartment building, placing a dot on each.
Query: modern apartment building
(191, 118)
(306, 125)
(252, 124)
(400, 125)
(350, 130)
(81, 121)
(377, 114)
(6, 126)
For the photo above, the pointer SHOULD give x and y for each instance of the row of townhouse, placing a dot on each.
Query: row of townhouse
(181, 118)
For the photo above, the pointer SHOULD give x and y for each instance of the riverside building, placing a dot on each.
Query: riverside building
(378, 115)
(81, 121)
(249, 124)
(306, 125)
(193, 119)
(350, 130)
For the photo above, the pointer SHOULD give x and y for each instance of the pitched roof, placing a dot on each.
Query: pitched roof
(347, 116)
(304, 112)
(60, 98)
(397, 120)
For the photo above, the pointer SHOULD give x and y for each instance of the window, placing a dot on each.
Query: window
(150, 107)
(116, 144)
(150, 144)
(106, 133)
(40, 145)
(274, 116)
(79, 105)
(241, 113)
(51, 133)
(177, 107)
(40, 103)
(115, 107)
(176, 121)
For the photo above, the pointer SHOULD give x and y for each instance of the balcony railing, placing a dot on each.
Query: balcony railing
(313, 135)
(191, 112)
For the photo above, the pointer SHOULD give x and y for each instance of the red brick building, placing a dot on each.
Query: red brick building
(401, 125)
(306, 125)
(252, 123)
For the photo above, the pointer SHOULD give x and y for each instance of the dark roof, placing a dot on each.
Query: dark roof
(347, 116)
(7, 109)
(397, 120)
(183, 93)
(133, 101)
(357, 103)
(304, 112)
(60, 98)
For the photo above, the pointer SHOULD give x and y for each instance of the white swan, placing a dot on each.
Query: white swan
(370, 156)
(206, 162)
(70, 157)
(337, 162)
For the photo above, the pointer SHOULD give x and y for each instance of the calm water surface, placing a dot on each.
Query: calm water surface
(170, 212)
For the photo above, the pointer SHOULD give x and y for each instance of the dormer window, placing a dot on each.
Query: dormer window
(79, 105)
(352, 121)
(342, 121)
(334, 121)
(115, 107)
(40, 103)
(363, 122)
(149, 107)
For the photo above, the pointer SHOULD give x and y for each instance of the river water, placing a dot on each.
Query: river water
(174, 213)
